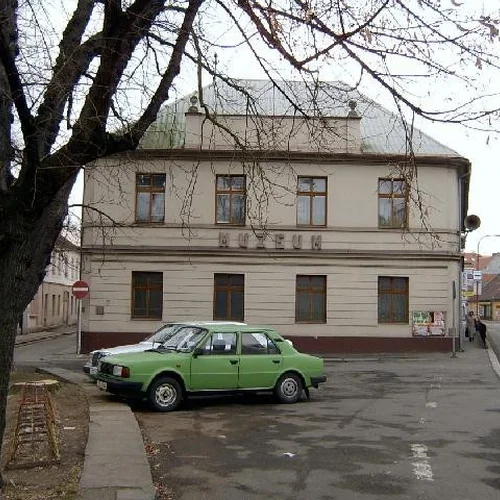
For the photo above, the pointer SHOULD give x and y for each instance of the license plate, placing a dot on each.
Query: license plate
(93, 370)
(102, 385)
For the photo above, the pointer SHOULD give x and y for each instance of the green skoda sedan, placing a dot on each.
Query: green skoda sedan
(212, 359)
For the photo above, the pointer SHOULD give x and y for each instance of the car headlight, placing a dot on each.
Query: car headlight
(121, 371)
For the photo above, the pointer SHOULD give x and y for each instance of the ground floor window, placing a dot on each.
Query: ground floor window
(310, 299)
(229, 294)
(393, 299)
(147, 295)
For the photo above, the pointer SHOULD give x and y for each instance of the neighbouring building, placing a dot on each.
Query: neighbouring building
(54, 304)
(484, 292)
(487, 305)
(303, 208)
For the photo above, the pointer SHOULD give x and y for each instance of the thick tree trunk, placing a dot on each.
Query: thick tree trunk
(25, 252)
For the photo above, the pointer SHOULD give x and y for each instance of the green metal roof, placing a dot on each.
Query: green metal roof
(382, 132)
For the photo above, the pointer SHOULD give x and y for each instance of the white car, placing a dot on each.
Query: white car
(160, 336)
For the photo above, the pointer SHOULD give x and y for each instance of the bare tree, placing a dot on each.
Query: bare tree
(82, 85)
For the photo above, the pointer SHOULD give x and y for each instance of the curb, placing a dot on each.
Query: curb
(380, 358)
(113, 469)
(31, 338)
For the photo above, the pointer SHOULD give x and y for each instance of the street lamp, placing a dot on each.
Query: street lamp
(478, 267)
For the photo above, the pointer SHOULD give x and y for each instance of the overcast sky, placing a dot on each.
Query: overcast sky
(484, 195)
(481, 148)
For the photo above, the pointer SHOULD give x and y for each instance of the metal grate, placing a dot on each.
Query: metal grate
(35, 442)
(106, 368)
(96, 357)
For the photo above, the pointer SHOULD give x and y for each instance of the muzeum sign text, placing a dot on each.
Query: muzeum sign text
(277, 241)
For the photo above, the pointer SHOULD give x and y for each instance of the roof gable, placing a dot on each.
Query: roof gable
(382, 132)
(491, 290)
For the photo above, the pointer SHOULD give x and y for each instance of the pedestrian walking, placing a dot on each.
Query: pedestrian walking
(481, 328)
(470, 329)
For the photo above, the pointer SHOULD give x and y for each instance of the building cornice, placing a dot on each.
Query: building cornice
(292, 156)
(112, 252)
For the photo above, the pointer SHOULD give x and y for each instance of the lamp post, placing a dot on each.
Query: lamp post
(478, 267)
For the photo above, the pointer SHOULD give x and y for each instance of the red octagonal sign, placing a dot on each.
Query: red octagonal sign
(80, 289)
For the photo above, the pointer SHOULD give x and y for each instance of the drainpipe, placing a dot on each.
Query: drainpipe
(457, 324)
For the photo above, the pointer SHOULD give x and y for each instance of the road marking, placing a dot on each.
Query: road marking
(431, 404)
(421, 467)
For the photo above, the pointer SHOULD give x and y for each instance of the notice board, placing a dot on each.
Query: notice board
(428, 323)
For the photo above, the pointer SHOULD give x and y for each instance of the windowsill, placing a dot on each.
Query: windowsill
(309, 226)
(310, 322)
(148, 222)
(394, 323)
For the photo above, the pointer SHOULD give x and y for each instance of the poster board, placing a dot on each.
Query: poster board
(428, 323)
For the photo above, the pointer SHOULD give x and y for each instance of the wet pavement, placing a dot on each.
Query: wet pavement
(424, 427)
(421, 426)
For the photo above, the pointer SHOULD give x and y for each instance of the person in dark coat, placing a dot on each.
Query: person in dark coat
(481, 329)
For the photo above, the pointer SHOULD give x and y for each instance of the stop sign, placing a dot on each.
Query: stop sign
(80, 289)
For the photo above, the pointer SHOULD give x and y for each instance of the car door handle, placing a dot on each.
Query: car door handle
(276, 361)
(233, 361)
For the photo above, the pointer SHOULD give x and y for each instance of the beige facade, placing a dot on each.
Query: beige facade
(54, 304)
(349, 247)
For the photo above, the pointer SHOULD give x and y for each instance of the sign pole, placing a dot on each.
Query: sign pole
(79, 332)
(454, 329)
(80, 290)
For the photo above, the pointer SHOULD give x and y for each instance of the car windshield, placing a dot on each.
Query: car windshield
(164, 333)
(184, 339)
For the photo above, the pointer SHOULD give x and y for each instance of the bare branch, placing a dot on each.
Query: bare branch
(72, 62)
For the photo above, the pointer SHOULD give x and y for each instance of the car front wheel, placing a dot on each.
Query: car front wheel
(165, 394)
(289, 388)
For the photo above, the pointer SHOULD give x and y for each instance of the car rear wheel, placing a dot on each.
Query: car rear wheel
(289, 388)
(165, 394)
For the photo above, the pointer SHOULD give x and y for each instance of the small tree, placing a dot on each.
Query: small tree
(82, 86)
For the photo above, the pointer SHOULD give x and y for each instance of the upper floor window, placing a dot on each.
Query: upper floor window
(150, 198)
(393, 299)
(311, 201)
(231, 199)
(310, 299)
(60, 264)
(392, 203)
(147, 295)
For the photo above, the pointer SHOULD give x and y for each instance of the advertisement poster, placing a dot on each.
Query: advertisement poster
(428, 323)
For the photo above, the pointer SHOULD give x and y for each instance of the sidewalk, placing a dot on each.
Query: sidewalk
(115, 465)
(29, 338)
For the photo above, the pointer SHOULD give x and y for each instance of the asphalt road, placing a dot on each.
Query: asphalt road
(60, 351)
(425, 427)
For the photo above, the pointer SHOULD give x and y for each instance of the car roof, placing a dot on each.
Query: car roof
(198, 322)
(242, 327)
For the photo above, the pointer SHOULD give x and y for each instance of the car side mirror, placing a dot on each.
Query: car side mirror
(197, 352)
